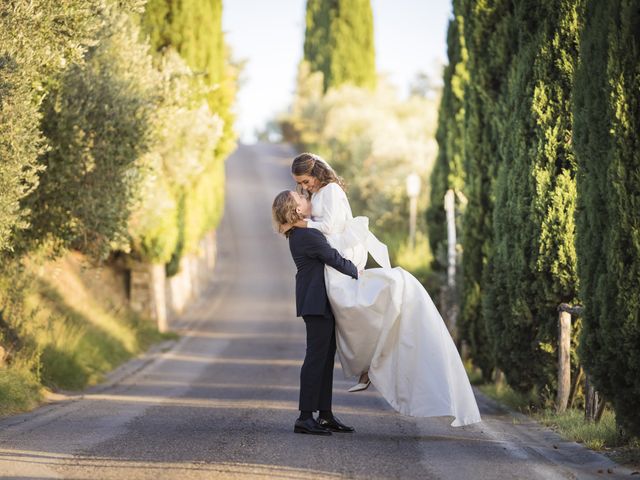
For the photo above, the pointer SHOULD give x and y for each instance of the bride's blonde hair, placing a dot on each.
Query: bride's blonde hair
(283, 211)
(316, 167)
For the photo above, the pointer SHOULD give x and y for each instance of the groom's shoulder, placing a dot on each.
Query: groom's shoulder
(307, 233)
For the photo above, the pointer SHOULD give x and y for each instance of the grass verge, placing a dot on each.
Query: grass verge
(602, 436)
(63, 326)
(19, 391)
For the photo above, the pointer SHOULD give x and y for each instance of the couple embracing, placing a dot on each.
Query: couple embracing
(381, 321)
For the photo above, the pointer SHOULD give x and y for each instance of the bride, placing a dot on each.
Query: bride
(388, 329)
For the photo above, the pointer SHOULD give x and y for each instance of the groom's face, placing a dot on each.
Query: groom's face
(303, 205)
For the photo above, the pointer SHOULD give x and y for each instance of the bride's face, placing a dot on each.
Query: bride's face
(304, 206)
(309, 183)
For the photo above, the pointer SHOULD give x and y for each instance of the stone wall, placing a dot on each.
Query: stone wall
(163, 298)
(146, 292)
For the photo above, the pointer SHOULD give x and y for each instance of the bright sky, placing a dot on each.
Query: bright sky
(410, 37)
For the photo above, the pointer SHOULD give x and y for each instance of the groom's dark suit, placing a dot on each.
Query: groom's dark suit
(311, 251)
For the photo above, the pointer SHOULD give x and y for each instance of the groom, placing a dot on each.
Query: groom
(311, 251)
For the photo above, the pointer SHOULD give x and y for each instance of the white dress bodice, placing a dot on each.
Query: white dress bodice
(331, 214)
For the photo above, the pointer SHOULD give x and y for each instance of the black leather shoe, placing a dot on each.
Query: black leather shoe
(335, 425)
(310, 426)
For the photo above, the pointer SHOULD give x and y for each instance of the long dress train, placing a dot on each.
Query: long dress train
(387, 324)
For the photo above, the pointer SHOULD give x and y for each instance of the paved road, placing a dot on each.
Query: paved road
(220, 402)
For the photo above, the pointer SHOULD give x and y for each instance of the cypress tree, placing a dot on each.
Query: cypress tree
(533, 257)
(447, 171)
(607, 122)
(194, 29)
(488, 37)
(339, 42)
(316, 37)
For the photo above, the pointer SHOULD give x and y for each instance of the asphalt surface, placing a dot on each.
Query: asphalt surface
(221, 401)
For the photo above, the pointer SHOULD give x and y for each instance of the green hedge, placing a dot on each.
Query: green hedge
(38, 40)
(97, 120)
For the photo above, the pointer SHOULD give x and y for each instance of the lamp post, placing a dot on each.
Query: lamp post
(413, 190)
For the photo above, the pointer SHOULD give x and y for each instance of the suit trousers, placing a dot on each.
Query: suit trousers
(316, 376)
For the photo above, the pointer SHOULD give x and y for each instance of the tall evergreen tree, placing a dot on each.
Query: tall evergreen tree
(194, 29)
(607, 122)
(488, 31)
(533, 258)
(448, 169)
(339, 42)
(316, 37)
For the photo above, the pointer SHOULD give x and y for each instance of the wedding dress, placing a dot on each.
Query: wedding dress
(387, 324)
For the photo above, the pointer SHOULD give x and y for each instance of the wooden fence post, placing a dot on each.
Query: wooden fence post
(575, 383)
(593, 402)
(564, 361)
(452, 311)
(564, 355)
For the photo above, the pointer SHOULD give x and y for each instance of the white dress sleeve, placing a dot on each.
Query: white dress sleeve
(331, 203)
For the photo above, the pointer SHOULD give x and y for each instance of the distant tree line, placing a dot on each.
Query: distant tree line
(343, 111)
(538, 129)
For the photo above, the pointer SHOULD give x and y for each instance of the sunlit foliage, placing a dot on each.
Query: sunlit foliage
(97, 121)
(607, 146)
(192, 138)
(26, 69)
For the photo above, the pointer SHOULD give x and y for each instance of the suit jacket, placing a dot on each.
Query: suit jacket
(311, 251)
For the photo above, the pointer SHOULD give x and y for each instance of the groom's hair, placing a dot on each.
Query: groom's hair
(284, 211)
(316, 167)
